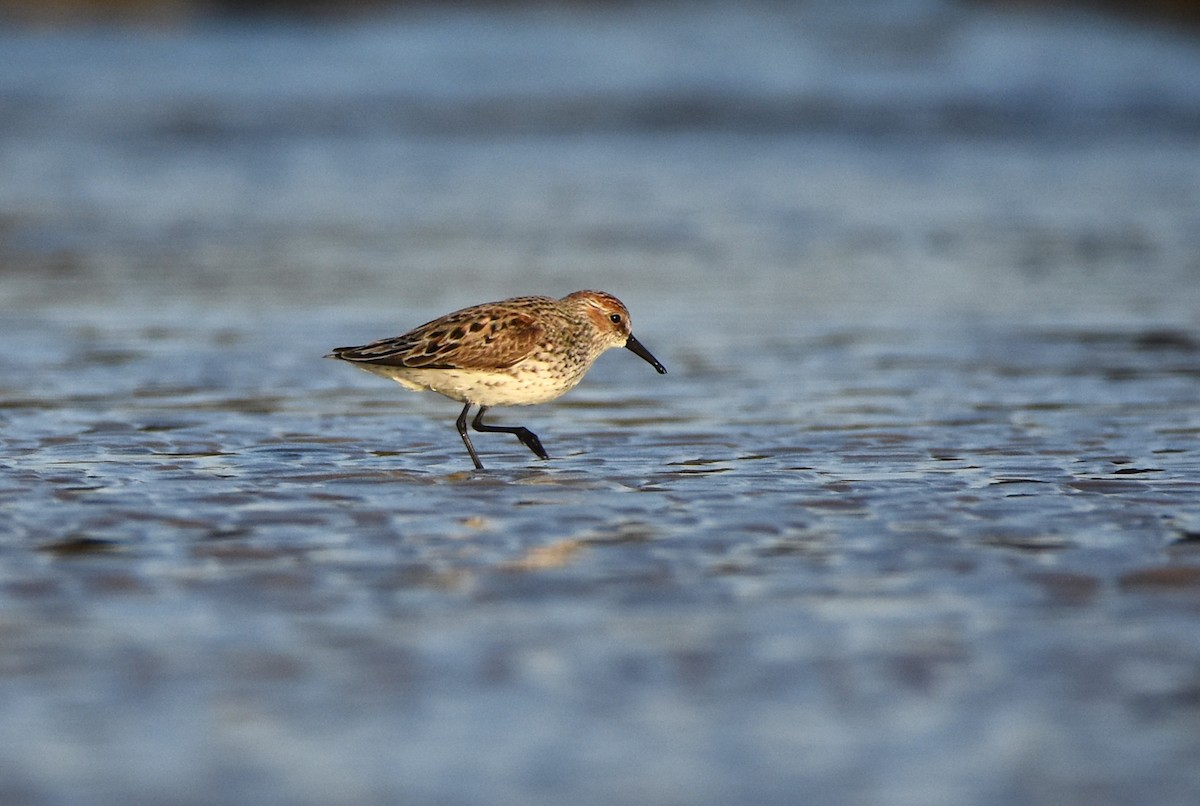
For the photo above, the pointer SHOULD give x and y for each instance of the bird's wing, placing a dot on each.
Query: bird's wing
(483, 337)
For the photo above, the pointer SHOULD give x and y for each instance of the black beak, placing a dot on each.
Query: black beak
(634, 346)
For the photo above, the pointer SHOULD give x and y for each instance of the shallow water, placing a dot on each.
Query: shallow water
(912, 518)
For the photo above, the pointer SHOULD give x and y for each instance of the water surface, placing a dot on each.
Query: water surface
(912, 518)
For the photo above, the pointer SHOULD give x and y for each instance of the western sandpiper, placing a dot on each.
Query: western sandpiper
(515, 352)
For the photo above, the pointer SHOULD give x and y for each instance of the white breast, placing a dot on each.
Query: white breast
(519, 386)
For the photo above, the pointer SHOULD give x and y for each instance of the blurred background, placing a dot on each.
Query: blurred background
(77, 11)
(912, 520)
(867, 158)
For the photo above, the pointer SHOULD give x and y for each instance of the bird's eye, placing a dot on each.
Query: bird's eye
(615, 318)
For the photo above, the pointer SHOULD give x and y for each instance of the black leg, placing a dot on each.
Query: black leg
(461, 422)
(524, 434)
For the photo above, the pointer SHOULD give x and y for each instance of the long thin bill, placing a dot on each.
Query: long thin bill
(634, 346)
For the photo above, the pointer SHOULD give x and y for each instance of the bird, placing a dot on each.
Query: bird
(514, 352)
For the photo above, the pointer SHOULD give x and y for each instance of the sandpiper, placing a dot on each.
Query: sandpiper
(515, 352)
